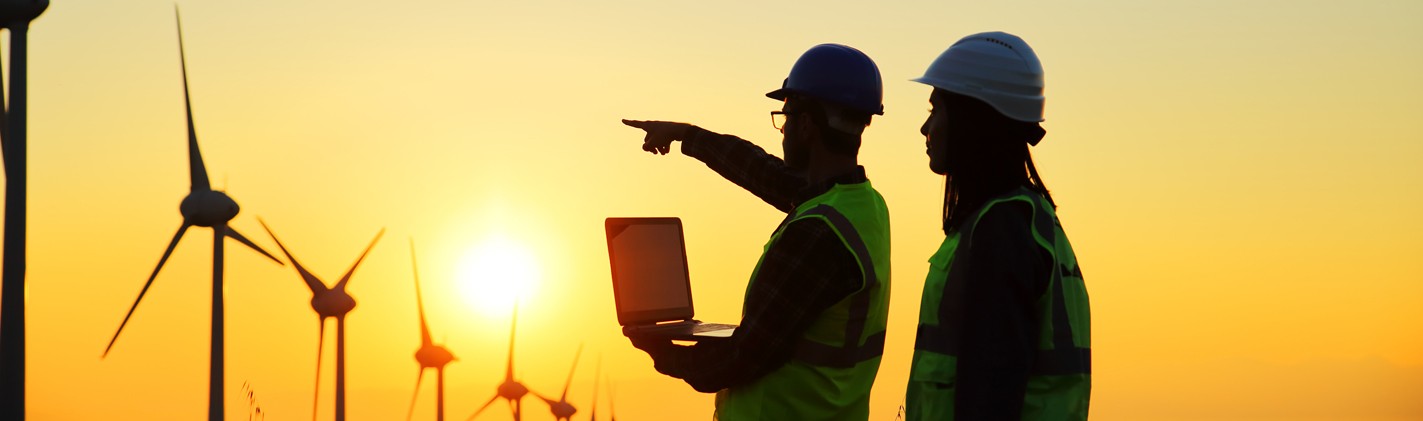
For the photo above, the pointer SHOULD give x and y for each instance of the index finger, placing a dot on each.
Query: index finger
(636, 123)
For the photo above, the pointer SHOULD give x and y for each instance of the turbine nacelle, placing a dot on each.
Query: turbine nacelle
(433, 356)
(333, 303)
(562, 410)
(208, 208)
(21, 10)
(512, 390)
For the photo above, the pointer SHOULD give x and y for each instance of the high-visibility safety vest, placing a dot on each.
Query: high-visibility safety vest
(1060, 382)
(835, 361)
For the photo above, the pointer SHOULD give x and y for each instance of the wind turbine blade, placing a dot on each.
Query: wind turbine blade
(612, 401)
(597, 378)
(233, 234)
(570, 373)
(483, 407)
(169, 252)
(546, 399)
(509, 373)
(311, 282)
(418, 377)
(419, 302)
(316, 395)
(347, 277)
(197, 170)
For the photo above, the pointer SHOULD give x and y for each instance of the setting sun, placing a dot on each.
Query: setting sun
(496, 273)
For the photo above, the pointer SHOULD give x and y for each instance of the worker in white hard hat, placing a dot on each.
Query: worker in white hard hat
(813, 320)
(1004, 326)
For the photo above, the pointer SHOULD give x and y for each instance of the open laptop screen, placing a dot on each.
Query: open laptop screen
(649, 263)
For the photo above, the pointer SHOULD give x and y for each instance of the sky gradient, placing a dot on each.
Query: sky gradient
(1240, 182)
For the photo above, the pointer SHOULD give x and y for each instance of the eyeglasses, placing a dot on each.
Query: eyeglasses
(778, 119)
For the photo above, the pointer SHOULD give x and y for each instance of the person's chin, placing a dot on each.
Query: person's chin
(937, 169)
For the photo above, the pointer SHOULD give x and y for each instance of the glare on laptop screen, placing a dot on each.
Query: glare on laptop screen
(650, 271)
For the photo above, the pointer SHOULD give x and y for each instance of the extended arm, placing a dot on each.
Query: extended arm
(739, 161)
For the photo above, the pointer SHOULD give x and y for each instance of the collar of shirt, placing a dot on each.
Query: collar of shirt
(854, 176)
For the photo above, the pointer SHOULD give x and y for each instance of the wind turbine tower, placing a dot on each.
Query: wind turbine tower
(15, 15)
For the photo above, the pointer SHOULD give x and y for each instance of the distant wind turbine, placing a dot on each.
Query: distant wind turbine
(429, 355)
(203, 207)
(612, 399)
(511, 390)
(331, 302)
(562, 410)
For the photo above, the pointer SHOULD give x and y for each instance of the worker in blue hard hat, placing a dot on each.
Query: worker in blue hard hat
(813, 319)
(1004, 325)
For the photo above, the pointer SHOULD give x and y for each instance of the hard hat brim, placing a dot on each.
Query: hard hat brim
(779, 94)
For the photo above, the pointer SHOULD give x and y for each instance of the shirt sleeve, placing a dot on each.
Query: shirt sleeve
(746, 165)
(1006, 272)
(805, 272)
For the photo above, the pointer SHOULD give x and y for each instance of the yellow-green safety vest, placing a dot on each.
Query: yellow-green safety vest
(1060, 382)
(835, 361)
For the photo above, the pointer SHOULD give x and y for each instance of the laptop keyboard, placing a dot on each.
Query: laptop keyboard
(707, 327)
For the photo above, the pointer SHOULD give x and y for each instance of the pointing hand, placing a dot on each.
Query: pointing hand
(660, 134)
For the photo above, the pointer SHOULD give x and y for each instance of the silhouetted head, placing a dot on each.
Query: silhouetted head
(981, 152)
(812, 126)
(208, 208)
(829, 96)
(987, 105)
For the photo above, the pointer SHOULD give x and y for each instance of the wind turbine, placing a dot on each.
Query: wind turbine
(597, 378)
(511, 390)
(15, 15)
(203, 207)
(562, 410)
(429, 355)
(328, 303)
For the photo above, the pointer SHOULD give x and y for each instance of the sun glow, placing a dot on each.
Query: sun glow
(497, 273)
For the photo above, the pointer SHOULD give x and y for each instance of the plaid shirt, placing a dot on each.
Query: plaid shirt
(803, 273)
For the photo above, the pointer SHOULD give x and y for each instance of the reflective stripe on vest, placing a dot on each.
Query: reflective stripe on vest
(851, 351)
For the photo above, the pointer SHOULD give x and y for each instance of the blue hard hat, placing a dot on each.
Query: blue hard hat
(836, 74)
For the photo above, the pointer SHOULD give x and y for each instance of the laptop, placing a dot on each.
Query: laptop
(651, 285)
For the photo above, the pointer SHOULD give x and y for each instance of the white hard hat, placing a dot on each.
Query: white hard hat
(995, 67)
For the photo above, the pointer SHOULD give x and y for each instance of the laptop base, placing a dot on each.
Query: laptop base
(689, 330)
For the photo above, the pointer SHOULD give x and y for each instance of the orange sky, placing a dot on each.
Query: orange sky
(1240, 182)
